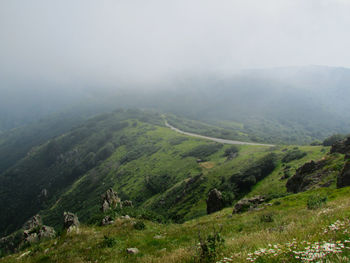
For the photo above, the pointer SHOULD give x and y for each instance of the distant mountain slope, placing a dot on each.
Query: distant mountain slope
(132, 152)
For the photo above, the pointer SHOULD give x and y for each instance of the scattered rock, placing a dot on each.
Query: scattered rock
(33, 222)
(127, 217)
(132, 250)
(214, 201)
(343, 178)
(33, 231)
(71, 222)
(246, 204)
(127, 203)
(110, 200)
(158, 237)
(107, 220)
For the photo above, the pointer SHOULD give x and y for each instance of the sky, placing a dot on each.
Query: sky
(80, 43)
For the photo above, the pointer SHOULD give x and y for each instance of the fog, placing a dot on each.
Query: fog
(109, 43)
(55, 54)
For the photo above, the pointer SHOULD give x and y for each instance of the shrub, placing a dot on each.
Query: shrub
(139, 225)
(203, 151)
(109, 241)
(209, 247)
(158, 183)
(266, 218)
(230, 151)
(295, 154)
(277, 203)
(316, 201)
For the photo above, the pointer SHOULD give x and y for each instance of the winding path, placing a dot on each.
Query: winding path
(215, 139)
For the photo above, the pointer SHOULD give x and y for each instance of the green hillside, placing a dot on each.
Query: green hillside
(286, 228)
(167, 176)
(132, 152)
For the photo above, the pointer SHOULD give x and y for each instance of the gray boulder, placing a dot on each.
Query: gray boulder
(132, 250)
(248, 203)
(214, 201)
(70, 221)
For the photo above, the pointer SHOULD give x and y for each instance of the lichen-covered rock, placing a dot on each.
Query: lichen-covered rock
(214, 201)
(343, 178)
(70, 221)
(110, 200)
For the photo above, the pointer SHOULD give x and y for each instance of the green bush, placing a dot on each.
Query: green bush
(139, 225)
(231, 151)
(210, 247)
(295, 154)
(316, 201)
(203, 151)
(109, 241)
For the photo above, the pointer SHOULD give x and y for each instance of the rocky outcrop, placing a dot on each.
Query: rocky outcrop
(33, 231)
(343, 178)
(342, 147)
(33, 222)
(70, 222)
(110, 200)
(305, 177)
(39, 233)
(248, 203)
(214, 201)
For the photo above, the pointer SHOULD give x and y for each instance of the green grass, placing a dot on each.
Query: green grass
(244, 233)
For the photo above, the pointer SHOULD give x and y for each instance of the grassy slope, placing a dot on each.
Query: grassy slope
(128, 179)
(244, 233)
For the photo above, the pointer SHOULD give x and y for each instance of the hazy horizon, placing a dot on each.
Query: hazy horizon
(81, 44)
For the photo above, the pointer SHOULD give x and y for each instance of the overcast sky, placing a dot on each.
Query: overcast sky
(105, 42)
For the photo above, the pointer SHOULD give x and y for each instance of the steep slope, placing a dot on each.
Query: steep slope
(132, 152)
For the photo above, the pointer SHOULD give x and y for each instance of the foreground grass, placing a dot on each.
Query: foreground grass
(244, 234)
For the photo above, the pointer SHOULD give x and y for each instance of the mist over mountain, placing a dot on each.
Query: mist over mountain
(309, 100)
